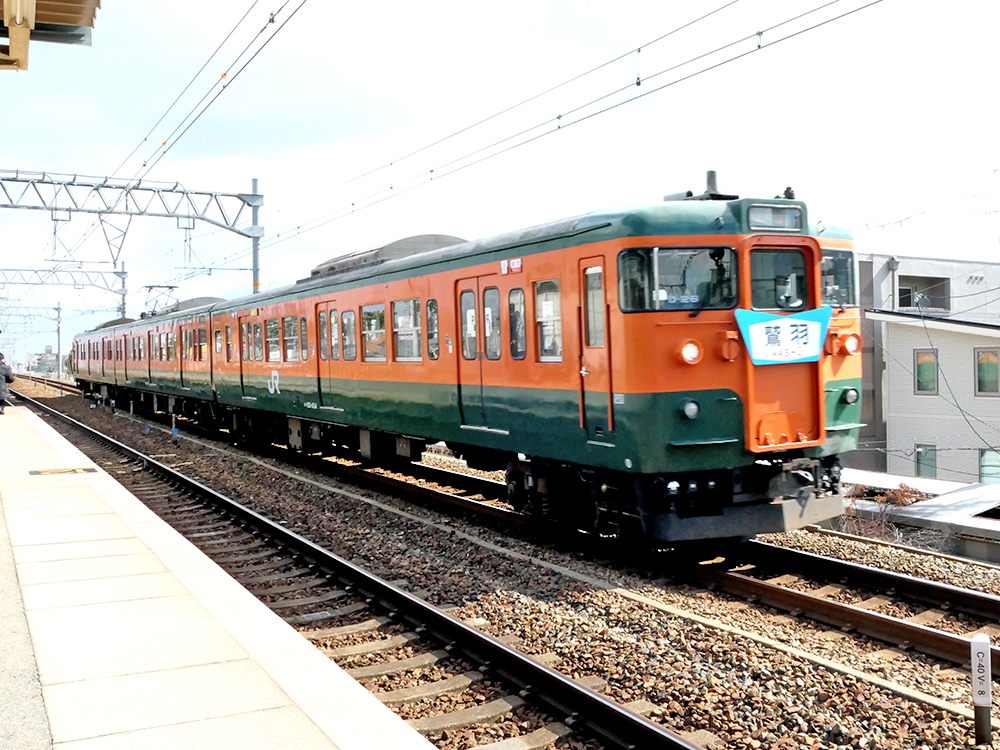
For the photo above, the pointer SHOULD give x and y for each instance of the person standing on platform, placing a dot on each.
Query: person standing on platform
(6, 376)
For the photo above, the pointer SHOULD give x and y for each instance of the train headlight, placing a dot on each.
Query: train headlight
(849, 396)
(690, 409)
(691, 352)
(851, 343)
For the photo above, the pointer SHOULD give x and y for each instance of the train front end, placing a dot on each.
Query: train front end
(752, 363)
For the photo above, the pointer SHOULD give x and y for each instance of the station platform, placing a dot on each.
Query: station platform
(118, 634)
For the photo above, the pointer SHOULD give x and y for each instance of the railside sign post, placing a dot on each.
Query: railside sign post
(982, 688)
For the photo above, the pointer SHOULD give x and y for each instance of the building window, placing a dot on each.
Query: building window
(373, 328)
(925, 457)
(406, 330)
(347, 328)
(987, 372)
(925, 371)
(518, 334)
(548, 318)
(433, 343)
(989, 467)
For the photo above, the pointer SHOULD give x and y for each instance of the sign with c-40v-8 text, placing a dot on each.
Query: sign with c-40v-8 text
(784, 339)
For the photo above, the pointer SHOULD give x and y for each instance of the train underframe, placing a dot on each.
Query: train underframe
(778, 492)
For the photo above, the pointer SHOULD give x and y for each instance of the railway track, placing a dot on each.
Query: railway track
(761, 573)
(380, 632)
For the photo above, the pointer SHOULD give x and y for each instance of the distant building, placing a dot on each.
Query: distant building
(47, 362)
(932, 368)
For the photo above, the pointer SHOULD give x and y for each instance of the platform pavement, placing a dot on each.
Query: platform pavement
(118, 634)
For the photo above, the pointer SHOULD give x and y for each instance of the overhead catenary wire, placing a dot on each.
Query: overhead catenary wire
(436, 174)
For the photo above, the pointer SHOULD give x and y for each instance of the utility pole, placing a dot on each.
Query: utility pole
(255, 203)
(58, 310)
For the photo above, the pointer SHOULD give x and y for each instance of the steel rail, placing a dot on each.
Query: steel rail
(977, 603)
(937, 643)
(539, 684)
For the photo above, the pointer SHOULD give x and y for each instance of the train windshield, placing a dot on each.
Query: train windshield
(677, 278)
(837, 278)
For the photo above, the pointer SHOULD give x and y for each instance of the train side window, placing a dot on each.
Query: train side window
(244, 343)
(334, 336)
(202, 344)
(518, 333)
(229, 343)
(433, 342)
(594, 303)
(548, 318)
(836, 272)
(467, 306)
(171, 346)
(491, 322)
(373, 328)
(185, 343)
(142, 349)
(272, 332)
(218, 341)
(303, 339)
(348, 329)
(291, 338)
(324, 335)
(258, 342)
(406, 330)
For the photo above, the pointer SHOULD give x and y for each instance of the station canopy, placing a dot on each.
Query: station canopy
(29, 21)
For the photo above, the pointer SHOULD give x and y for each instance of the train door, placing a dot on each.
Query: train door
(479, 348)
(246, 352)
(328, 348)
(595, 353)
(183, 339)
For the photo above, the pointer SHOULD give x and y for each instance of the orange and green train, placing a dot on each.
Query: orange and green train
(691, 369)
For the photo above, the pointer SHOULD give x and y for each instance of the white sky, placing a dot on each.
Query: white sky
(888, 113)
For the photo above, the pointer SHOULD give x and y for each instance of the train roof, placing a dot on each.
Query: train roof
(398, 259)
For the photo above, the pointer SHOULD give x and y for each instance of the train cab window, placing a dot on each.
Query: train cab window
(548, 319)
(291, 338)
(778, 280)
(677, 278)
(218, 341)
(334, 336)
(491, 323)
(273, 333)
(303, 339)
(244, 343)
(433, 342)
(324, 335)
(594, 305)
(229, 343)
(467, 307)
(836, 272)
(373, 329)
(348, 329)
(258, 342)
(406, 330)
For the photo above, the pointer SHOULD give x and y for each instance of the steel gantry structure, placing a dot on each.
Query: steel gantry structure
(57, 193)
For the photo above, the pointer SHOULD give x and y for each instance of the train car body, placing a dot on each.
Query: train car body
(692, 368)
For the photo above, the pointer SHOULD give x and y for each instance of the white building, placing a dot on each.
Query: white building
(932, 368)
